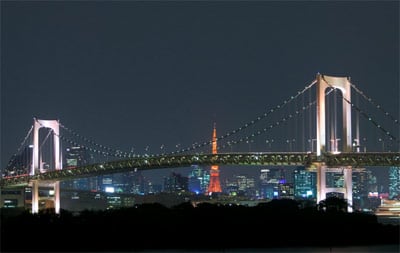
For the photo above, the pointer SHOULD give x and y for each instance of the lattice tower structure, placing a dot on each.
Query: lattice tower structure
(215, 185)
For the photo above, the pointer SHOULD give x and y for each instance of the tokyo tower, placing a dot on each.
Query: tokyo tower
(214, 185)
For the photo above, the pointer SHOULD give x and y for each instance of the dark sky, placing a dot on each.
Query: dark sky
(131, 74)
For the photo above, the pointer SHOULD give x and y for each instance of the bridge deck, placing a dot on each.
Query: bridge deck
(175, 161)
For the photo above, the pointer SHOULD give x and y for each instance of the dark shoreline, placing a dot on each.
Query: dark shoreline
(153, 227)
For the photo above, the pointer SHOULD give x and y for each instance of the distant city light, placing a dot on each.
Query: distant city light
(109, 189)
(373, 194)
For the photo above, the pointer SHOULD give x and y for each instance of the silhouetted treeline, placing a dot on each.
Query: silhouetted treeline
(278, 223)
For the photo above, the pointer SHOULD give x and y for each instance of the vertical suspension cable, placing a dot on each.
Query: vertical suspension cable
(310, 123)
(335, 144)
(357, 124)
(302, 127)
(383, 131)
(329, 132)
(52, 153)
(61, 153)
(295, 131)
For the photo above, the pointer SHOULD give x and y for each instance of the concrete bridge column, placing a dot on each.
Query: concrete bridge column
(348, 184)
(35, 196)
(37, 165)
(56, 188)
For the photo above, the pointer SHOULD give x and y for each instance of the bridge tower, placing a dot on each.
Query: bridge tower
(215, 185)
(343, 84)
(37, 164)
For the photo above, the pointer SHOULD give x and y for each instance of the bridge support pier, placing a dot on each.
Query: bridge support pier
(346, 190)
(56, 188)
(36, 197)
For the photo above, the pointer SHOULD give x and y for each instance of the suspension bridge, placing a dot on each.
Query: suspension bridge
(319, 118)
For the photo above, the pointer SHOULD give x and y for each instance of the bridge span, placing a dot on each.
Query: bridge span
(328, 111)
(307, 159)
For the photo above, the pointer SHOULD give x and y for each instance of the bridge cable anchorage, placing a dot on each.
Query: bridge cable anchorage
(195, 146)
(108, 152)
(369, 99)
(387, 133)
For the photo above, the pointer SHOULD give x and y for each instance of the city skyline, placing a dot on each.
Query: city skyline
(136, 75)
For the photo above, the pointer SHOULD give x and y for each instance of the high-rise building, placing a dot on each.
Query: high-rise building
(241, 185)
(215, 185)
(137, 182)
(266, 191)
(175, 183)
(269, 183)
(286, 190)
(360, 179)
(394, 182)
(264, 176)
(77, 156)
(199, 180)
(305, 184)
(334, 179)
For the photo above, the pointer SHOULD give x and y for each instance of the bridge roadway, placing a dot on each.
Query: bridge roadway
(309, 160)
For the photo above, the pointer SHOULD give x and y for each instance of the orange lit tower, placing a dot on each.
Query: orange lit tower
(214, 185)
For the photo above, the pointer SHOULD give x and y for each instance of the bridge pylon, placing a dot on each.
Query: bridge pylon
(37, 164)
(344, 85)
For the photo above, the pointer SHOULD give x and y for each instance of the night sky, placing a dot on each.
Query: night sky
(133, 74)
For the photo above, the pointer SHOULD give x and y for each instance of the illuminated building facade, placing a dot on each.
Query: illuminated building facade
(266, 188)
(199, 179)
(175, 183)
(215, 185)
(77, 156)
(394, 182)
(241, 185)
(286, 190)
(361, 178)
(305, 183)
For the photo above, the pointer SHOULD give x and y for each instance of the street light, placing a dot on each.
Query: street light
(335, 145)
(289, 142)
(365, 144)
(249, 142)
(311, 142)
(356, 146)
(383, 144)
(269, 144)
